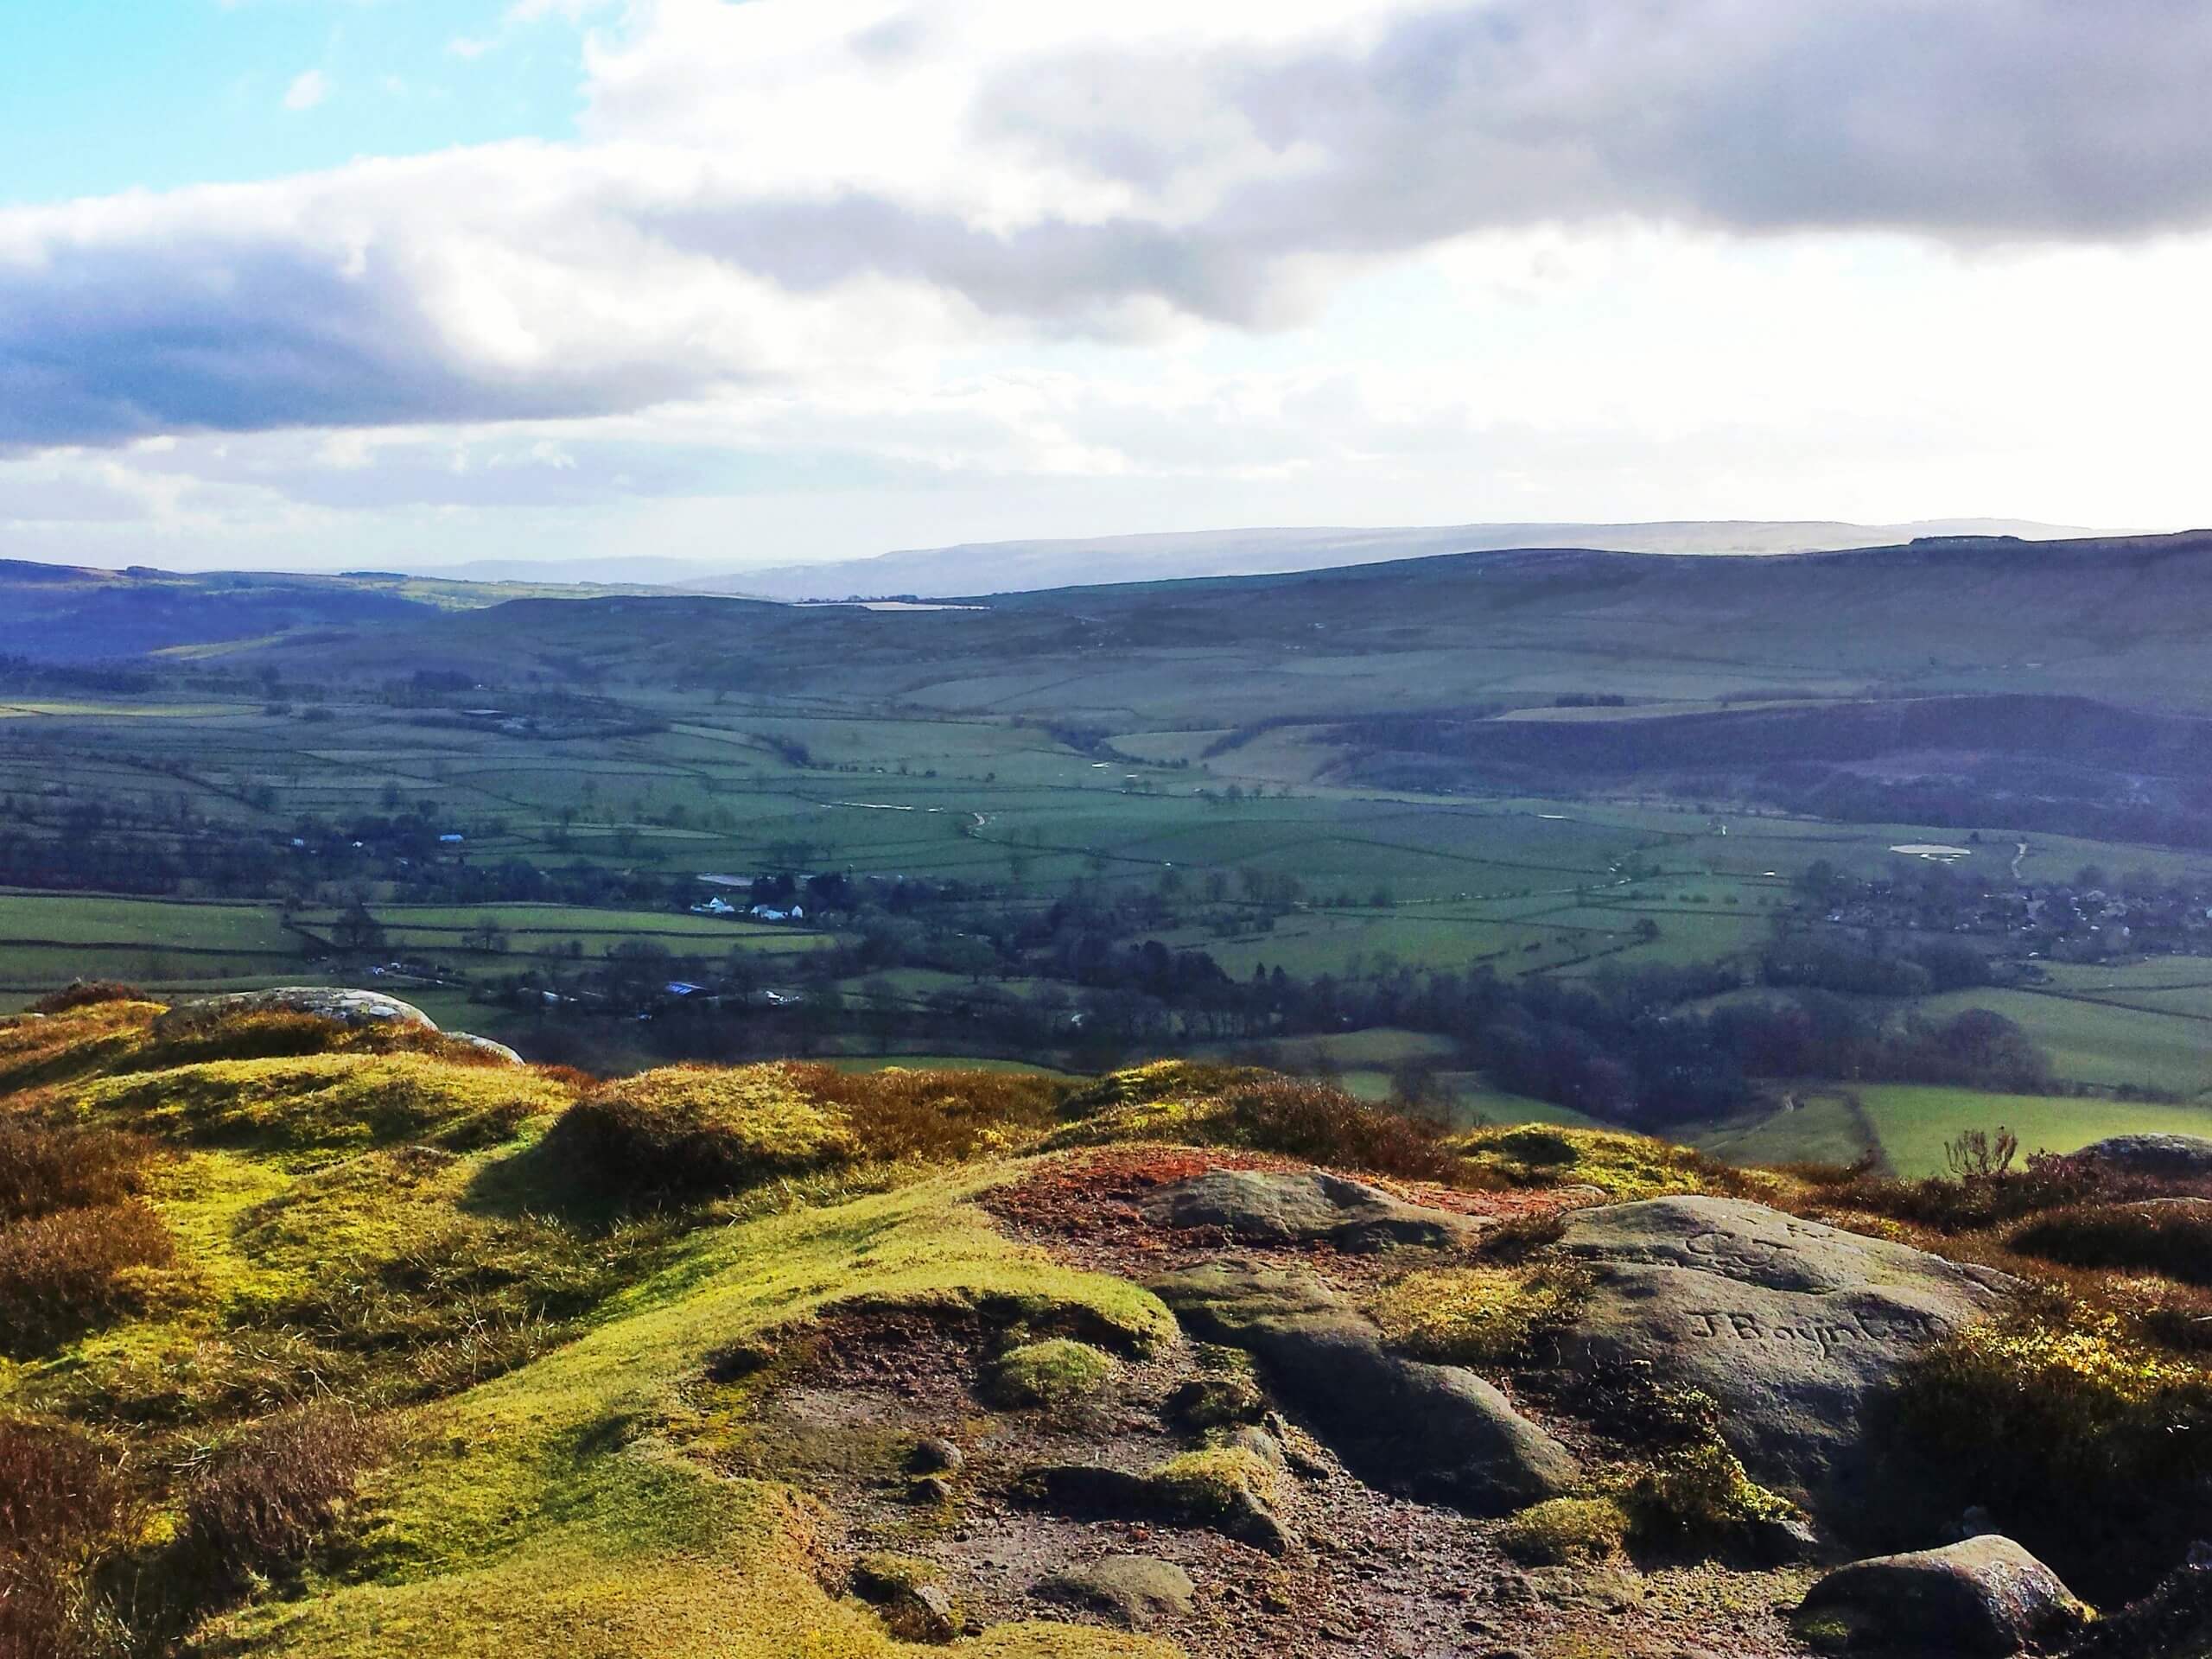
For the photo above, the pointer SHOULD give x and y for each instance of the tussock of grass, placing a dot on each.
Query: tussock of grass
(303, 1109)
(109, 1034)
(86, 993)
(63, 1273)
(686, 1132)
(1689, 1491)
(189, 1036)
(1223, 1106)
(1160, 1081)
(1563, 1531)
(65, 1503)
(72, 1044)
(901, 1116)
(1048, 1373)
(1480, 1316)
(47, 1166)
(1625, 1168)
(2169, 1236)
(1700, 1496)
(1216, 1481)
(263, 1496)
(692, 1131)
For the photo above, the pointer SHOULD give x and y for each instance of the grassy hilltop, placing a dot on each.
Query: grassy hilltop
(332, 1340)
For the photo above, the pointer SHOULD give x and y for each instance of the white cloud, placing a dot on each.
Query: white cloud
(307, 89)
(1307, 244)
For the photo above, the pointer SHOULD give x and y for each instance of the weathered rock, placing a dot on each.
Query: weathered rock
(1794, 1327)
(908, 1595)
(1235, 1510)
(1986, 1596)
(1260, 1443)
(485, 1045)
(2182, 1156)
(1211, 1402)
(1135, 1592)
(2174, 1619)
(348, 1007)
(933, 1455)
(1437, 1428)
(1301, 1208)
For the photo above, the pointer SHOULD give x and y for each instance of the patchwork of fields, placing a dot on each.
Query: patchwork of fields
(1028, 759)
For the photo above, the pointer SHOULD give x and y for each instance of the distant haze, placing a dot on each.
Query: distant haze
(1022, 566)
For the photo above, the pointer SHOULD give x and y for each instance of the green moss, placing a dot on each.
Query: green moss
(1048, 1373)
(695, 1131)
(302, 1110)
(1216, 1481)
(554, 1508)
(1622, 1166)
(564, 1500)
(1479, 1316)
(1226, 1391)
(1827, 1633)
(1561, 1531)
(1700, 1495)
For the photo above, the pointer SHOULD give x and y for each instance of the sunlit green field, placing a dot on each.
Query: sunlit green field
(2100, 1044)
(1916, 1123)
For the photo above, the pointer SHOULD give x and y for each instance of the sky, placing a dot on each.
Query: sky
(358, 283)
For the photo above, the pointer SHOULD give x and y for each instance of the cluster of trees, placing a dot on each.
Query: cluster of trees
(1619, 1046)
(1852, 798)
(1917, 968)
(23, 674)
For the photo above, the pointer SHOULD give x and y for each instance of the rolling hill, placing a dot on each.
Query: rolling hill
(1025, 566)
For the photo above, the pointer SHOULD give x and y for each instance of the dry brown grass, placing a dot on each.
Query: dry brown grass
(65, 1504)
(60, 1274)
(71, 1045)
(935, 1114)
(262, 1498)
(2168, 1236)
(1325, 1126)
(44, 1168)
(86, 993)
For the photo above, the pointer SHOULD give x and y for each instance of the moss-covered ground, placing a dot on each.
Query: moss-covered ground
(472, 1379)
(387, 1227)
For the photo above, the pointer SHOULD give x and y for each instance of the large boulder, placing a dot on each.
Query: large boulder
(1986, 1597)
(487, 1047)
(1307, 1207)
(1436, 1428)
(2182, 1157)
(348, 1007)
(909, 1595)
(1794, 1328)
